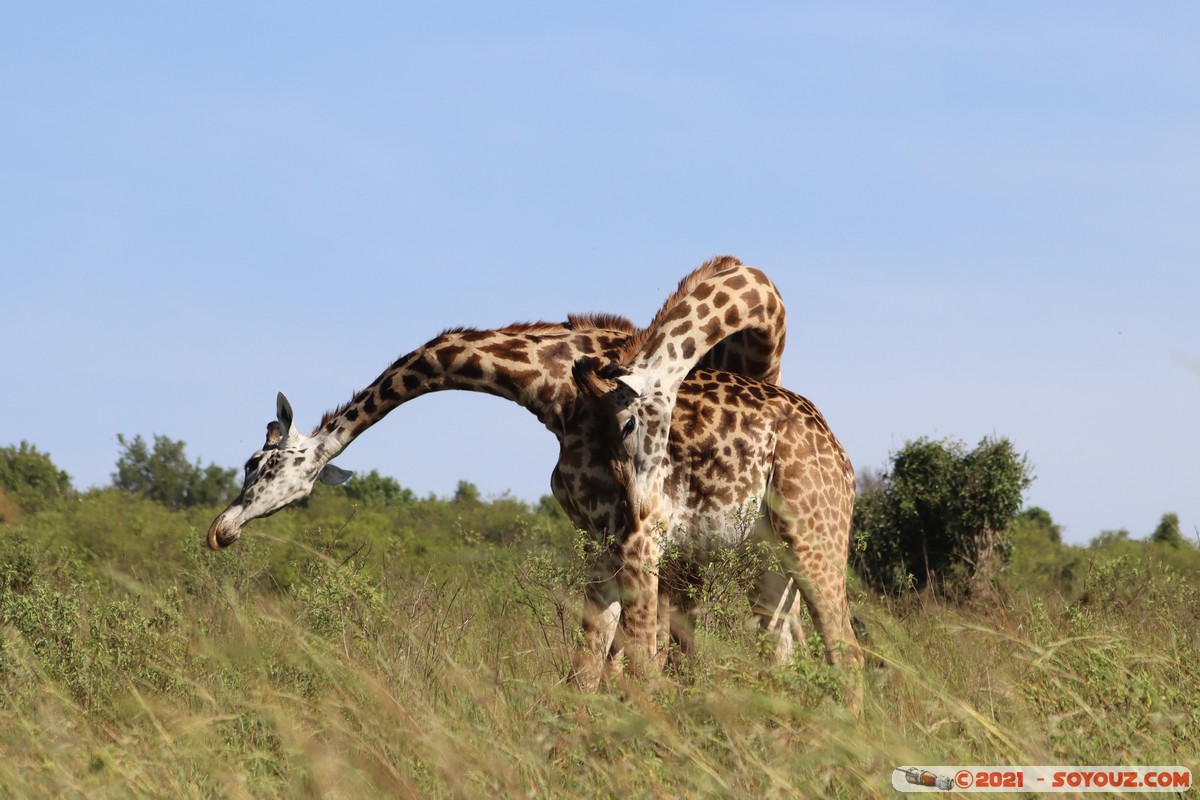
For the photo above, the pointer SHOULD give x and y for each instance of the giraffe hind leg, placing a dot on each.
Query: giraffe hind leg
(818, 557)
(775, 598)
(777, 604)
(676, 632)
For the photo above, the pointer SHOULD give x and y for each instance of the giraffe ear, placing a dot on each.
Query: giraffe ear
(586, 371)
(636, 382)
(332, 475)
(283, 411)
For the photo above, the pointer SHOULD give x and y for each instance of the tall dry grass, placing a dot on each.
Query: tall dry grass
(447, 681)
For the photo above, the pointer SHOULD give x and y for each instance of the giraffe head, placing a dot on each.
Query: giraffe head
(636, 427)
(281, 473)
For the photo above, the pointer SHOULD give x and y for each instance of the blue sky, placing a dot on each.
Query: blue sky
(983, 219)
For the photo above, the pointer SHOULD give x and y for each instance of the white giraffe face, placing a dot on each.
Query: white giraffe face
(643, 419)
(275, 477)
(636, 421)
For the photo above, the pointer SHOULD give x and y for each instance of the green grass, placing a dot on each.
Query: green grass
(435, 669)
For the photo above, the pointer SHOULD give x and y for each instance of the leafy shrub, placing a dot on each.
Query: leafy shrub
(46, 617)
(1167, 532)
(1041, 565)
(549, 583)
(940, 516)
(133, 534)
(337, 601)
(133, 644)
(1038, 520)
(30, 479)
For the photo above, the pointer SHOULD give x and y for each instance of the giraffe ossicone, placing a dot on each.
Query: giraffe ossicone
(329, 474)
(636, 383)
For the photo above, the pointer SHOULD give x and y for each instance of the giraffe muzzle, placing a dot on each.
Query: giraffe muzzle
(221, 535)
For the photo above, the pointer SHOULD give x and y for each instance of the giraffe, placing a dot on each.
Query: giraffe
(755, 325)
(530, 364)
(782, 451)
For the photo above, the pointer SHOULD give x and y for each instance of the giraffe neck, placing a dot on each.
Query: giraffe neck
(737, 307)
(527, 364)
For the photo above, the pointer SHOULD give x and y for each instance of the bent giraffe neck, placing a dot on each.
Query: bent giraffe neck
(528, 364)
(732, 312)
(738, 308)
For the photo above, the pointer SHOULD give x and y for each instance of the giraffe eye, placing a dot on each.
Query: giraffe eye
(628, 427)
(252, 464)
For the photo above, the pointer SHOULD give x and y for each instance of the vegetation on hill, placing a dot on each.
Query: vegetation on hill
(373, 643)
(29, 481)
(164, 474)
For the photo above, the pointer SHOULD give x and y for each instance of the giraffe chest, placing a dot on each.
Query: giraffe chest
(719, 467)
(706, 503)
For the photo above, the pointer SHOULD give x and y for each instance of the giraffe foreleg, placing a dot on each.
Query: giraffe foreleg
(638, 582)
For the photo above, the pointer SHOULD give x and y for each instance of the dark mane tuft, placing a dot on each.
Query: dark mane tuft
(328, 415)
(600, 322)
(534, 327)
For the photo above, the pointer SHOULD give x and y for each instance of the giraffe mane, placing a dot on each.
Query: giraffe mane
(702, 273)
(513, 327)
(328, 415)
(575, 322)
(600, 322)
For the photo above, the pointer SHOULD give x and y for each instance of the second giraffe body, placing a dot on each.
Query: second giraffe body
(766, 446)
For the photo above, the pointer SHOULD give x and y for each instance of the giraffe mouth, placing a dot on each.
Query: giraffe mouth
(221, 535)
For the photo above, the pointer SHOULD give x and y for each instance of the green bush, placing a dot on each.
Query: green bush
(1167, 532)
(134, 534)
(940, 516)
(30, 479)
(1041, 565)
